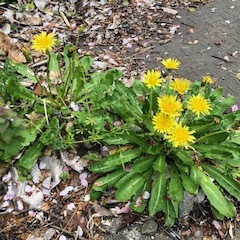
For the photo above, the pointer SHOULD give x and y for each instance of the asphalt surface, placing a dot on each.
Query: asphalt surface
(207, 42)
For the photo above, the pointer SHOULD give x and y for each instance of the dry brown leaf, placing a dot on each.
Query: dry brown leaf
(7, 47)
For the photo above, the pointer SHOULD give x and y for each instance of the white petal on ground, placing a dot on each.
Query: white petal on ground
(8, 15)
(6, 178)
(36, 174)
(86, 198)
(47, 182)
(79, 232)
(75, 107)
(29, 189)
(126, 208)
(76, 163)
(6, 28)
(42, 165)
(83, 180)
(169, 10)
(40, 4)
(56, 168)
(34, 200)
(45, 191)
(20, 205)
(62, 237)
(70, 206)
(10, 194)
(66, 191)
(32, 213)
(5, 204)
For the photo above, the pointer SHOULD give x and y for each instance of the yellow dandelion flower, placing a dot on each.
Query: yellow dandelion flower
(152, 78)
(162, 122)
(43, 42)
(181, 136)
(180, 85)
(171, 63)
(169, 105)
(207, 79)
(199, 105)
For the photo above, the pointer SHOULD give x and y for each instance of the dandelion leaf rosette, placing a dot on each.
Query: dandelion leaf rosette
(183, 137)
(167, 134)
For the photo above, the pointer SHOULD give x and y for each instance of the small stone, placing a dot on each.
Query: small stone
(186, 205)
(130, 234)
(161, 236)
(149, 227)
(113, 226)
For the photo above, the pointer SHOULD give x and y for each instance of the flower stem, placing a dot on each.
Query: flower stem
(168, 83)
(150, 101)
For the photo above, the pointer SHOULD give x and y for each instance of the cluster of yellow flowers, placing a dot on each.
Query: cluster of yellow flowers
(170, 106)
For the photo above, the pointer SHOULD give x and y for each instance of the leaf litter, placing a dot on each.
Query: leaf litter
(118, 34)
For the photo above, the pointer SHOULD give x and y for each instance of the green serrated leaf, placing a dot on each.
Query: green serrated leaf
(144, 163)
(160, 164)
(30, 156)
(86, 63)
(175, 188)
(189, 185)
(229, 184)
(185, 157)
(214, 195)
(170, 214)
(158, 194)
(109, 180)
(53, 66)
(111, 76)
(135, 205)
(101, 167)
(25, 71)
(124, 180)
(125, 192)
(221, 152)
(119, 158)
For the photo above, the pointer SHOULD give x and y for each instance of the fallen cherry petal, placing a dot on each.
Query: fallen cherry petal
(126, 208)
(20, 205)
(83, 180)
(79, 231)
(31, 213)
(9, 195)
(234, 108)
(70, 206)
(5, 204)
(6, 178)
(62, 237)
(66, 191)
(46, 191)
(28, 189)
(87, 198)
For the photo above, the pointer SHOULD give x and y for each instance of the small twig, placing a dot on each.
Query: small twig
(65, 18)
(222, 59)
(143, 51)
(63, 231)
(40, 63)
